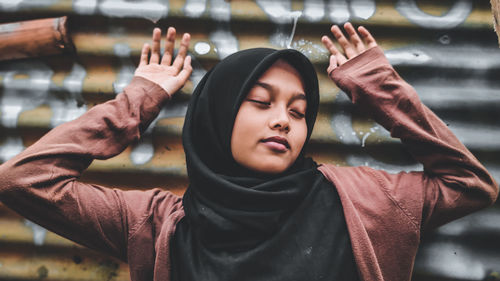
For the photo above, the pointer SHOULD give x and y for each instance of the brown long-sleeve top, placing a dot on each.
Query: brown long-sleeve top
(385, 213)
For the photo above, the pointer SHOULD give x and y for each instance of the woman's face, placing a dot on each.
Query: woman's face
(270, 128)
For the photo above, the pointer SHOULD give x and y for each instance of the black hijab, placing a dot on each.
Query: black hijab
(244, 225)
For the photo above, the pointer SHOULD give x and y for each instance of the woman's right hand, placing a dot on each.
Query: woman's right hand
(168, 74)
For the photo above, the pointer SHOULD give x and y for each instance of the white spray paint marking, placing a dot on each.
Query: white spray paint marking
(363, 140)
(477, 135)
(277, 10)
(457, 14)
(151, 10)
(67, 109)
(485, 221)
(342, 126)
(224, 41)
(10, 5)
(354, 159)
(9, 27)
(194, 8)
(363, 9)
(198, 71)
(314, 10)
(202, 48)
(408, 56)
(126, 72)
(447, 56)
(14, 5)
(220, 10)
(311, 50)
(12, 146)
(295, 16)
(452, 261)
(142, 152)
(26, 86)
(85, 7)
(339, 11)
(39, 232)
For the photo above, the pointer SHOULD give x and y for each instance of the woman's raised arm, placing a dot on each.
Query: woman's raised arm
(454, 183)
(41, 182)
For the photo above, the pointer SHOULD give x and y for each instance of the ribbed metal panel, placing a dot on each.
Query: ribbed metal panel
(446, 49)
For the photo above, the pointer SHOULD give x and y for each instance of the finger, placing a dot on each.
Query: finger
(343, 42)
(367, 37)
(181, 55)
(333, 50)
(333, 65)
(358, 44)
(169, 47)
(329, 45)
(186, 70)
(144, 55)
(155, 50)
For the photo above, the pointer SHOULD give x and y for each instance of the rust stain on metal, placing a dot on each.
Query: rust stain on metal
(34, 38)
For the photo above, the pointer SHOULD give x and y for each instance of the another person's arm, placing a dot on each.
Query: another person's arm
(41, 183)
(453, 183)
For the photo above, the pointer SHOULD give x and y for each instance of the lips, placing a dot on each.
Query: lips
(277, 140)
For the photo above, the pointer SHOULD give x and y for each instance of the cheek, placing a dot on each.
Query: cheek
(244, 130)
(301, 134)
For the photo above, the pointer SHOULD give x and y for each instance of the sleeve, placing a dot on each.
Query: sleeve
(453, 182)
(41, 182)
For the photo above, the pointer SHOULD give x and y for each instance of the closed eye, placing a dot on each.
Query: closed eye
(298, 114)
(260, 102)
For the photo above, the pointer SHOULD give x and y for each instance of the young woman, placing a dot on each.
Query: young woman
(256, 208)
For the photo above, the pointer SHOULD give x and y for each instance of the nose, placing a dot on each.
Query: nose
(280, 120)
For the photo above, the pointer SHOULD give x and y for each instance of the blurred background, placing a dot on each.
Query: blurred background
(86, 51)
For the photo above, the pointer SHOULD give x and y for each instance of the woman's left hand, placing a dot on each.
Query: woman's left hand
(352, 45)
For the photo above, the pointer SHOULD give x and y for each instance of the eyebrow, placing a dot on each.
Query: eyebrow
(270, 88)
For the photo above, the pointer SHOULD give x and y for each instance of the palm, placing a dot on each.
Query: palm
(352, 46)
(171, 76)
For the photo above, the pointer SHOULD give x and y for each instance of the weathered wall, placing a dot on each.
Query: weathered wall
(446, 49)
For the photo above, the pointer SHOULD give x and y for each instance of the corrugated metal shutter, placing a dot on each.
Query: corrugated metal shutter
(446, 49)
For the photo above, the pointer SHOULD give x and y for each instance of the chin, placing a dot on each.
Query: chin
(270, 168)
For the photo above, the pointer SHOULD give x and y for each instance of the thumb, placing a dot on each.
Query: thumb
(333, 65)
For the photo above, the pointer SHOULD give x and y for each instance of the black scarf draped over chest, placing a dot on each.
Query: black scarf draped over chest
(242, 225)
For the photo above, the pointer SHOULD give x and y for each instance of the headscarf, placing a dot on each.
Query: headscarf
(237, 219)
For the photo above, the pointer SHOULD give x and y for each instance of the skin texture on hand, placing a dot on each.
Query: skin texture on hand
(168, 74)
(352, 45)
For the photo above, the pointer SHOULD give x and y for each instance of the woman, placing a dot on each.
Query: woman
(256, 208)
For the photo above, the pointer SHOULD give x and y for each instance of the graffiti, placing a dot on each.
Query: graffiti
(152, 10)
(11, 146)
(71, 106)
(143, 151)
(85, 7)
(447, 56)
(39, 232)
(315, 10)
(342, 125)
(14, 5)
(26, 85)
(457, 14)
(447, 258)
(337, 11)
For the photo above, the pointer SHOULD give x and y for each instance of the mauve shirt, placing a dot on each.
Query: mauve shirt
(385, 213)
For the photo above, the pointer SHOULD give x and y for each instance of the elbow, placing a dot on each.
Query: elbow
(493, 193)
(489, 191)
